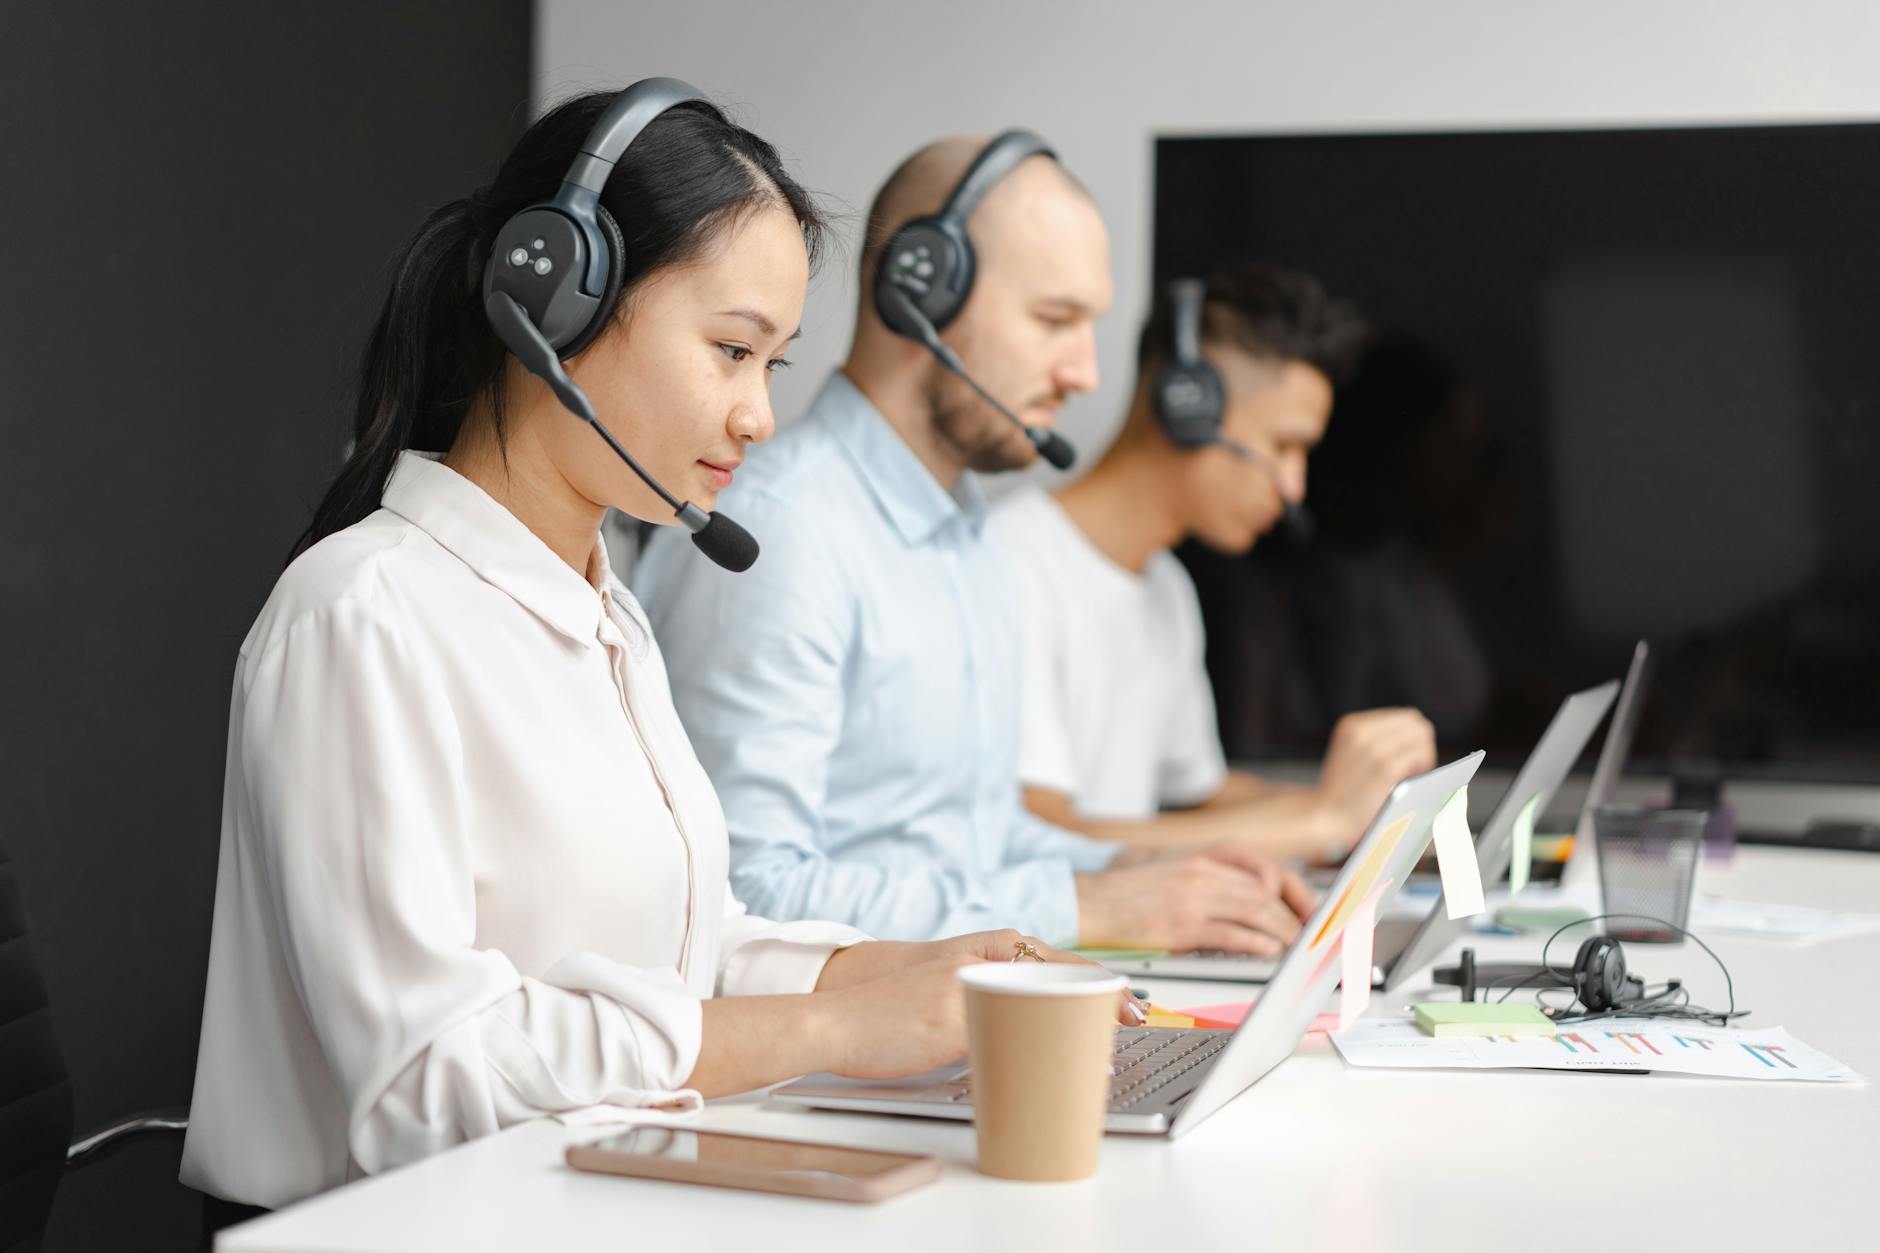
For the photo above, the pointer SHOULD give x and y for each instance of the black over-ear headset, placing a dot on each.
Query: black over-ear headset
(1599, 978)
(1190, 400)
(553, 278)
(1600, 982)
(927, 268)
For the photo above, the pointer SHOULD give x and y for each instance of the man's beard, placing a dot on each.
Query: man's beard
(981, 437)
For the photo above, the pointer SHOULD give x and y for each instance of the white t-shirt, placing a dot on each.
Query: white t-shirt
(1118, 712)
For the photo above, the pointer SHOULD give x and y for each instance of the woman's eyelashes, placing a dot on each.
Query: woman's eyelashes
(739, 353)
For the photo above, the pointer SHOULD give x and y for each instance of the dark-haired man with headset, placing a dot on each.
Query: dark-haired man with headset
(1234, 388)
(855, 695)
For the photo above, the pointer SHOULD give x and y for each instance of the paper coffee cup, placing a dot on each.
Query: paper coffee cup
(1041, 1039)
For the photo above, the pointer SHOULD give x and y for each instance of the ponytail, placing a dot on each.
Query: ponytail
(432, 359)
(430, 355)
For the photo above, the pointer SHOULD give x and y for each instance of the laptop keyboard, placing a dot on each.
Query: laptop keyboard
(1147, 1060)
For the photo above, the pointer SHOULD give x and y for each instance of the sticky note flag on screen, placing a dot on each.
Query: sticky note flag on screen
(1455, 857)
(1523, 846)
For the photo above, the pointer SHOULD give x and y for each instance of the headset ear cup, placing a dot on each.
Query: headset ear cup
(931, 262)
(1190, 402)
(1599, 974)
(604, 311)
(1585, 984)
(1618, 982)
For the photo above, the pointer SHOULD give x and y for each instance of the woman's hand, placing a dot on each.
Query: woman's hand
(877, 959)
(900, 1025)
(999, 946)
(862, 983)
(1003, 946)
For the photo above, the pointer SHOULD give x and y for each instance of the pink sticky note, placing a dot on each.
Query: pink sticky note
(1228, 1015)
(1354, 988)
(1231, 1014)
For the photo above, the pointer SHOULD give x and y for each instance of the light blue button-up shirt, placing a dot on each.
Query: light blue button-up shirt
(854, 696)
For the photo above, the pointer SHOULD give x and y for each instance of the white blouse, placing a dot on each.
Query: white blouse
(471, 872)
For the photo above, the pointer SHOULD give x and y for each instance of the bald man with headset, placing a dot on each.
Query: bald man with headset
(855, 696)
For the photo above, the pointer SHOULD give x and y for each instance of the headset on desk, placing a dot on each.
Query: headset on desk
(1603, 988)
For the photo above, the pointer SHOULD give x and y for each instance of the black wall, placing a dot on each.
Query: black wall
(200, 205)
(1622, 388)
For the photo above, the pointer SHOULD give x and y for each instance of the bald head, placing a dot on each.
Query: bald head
(1025, 333)
(920, 185)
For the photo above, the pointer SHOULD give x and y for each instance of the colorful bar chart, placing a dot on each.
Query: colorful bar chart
(1631, 1044)
(1768, 1055)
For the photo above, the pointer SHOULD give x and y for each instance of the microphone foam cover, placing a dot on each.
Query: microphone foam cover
(1298, 524)
(1054, 448)
(727, 543)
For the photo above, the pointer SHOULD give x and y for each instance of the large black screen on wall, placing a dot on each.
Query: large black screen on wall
(1624, 384)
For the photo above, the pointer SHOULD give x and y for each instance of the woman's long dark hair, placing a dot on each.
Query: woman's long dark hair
(690, 175)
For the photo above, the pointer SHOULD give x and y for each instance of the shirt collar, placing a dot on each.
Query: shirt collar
(495, 543)
(904, 489)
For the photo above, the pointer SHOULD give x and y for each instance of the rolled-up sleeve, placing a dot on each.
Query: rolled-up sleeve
(759, 957)
(355, 795)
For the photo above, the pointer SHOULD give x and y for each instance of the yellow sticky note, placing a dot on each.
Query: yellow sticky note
(1455, 857)
(1365, 878)
(1523, 846)
(1159, 1017)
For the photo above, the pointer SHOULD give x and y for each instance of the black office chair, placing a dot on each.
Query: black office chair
(36, 1146)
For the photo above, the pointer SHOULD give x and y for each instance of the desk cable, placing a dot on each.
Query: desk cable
(1670, 1000)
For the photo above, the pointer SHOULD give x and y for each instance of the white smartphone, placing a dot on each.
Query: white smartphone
(756, 1164)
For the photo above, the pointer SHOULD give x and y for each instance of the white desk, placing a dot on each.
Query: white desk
(1315, 1155)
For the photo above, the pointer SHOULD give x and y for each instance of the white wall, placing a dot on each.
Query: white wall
(847, 89)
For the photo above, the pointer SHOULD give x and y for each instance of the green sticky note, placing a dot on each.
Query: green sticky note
(1523, 853)
(1121, 954)
(1538, 917)
(1445, 1018)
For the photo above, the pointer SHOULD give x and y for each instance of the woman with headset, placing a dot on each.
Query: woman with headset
(471, 872)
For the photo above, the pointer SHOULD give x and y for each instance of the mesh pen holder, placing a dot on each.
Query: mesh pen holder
(1647, 869)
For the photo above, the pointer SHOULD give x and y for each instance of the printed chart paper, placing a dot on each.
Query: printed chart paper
(1603, 1044)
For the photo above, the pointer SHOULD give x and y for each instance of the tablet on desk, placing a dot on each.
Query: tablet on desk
(756, 1163)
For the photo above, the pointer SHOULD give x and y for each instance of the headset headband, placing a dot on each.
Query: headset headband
(616, 130)
(1186, 297)
(994, 162)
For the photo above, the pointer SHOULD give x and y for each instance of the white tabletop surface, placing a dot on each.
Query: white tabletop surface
(1316, 1155)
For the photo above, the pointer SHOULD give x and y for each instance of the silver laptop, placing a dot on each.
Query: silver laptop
(1545, 770)
(1404, 944)
(1583, 866)
(1164, 1081)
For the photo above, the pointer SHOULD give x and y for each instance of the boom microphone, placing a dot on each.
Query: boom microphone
(1053, 447)
(1296, 521)
(713, 534)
